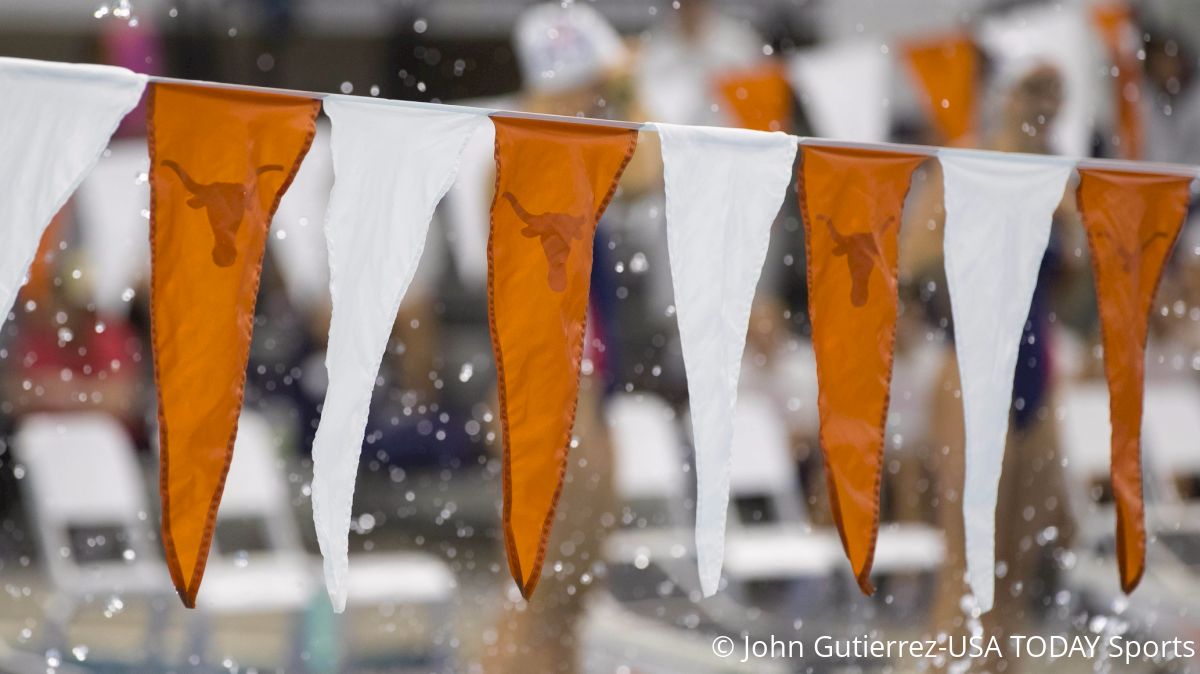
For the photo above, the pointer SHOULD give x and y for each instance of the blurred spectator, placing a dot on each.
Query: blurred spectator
(682, 58)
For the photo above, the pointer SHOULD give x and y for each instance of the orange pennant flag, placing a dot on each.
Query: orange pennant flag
(946, 69)
(852, 200)
(220, 162)
(553, 182)
(1115, 23)
(1132, 221)
(760, 98)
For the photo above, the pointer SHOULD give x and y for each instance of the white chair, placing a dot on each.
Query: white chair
(285, 576)
(650, 464)
(83, 481)
(763, 470)
(1086, 436)
(773, 540)
(1171, 428)
(1164, 596)
(650, 471)
(279, 577)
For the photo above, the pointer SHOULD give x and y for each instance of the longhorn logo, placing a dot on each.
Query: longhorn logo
(225, 204)
(863, 252)
(1129, 255)
(556, 232)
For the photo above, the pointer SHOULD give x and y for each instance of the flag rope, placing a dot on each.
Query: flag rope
(1191, 171)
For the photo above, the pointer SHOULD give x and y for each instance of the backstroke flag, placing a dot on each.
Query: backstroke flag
(945, 67)
(553, 182)
(56, 121)
(724, 188)
(220, 161)
(998, 216)
(852, 201)
(392, 166)
(757, 98)
(1132, 221)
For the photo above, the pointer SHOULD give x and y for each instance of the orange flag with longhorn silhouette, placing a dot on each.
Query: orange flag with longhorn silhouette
(851, 201)
(220, 162)
(1132, 222)
(553, 182)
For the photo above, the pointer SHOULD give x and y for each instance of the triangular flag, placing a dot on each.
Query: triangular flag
(1020, 40)
(220, 161)
(758, 98)
(1118, 30)
(945, 68)
(553, 182)
(852, 202)
(297, 244)
(998, 216)
(844, 87)
(55, 122)
(1132, 221)
(392, 166)
(114, 202)
(724, 188)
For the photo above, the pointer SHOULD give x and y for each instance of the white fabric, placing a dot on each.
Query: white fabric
(724, 188)
(565, 46)
(844, 88)
(676, 69)
(468, 207)
(297, 240)
(1057, 36)
(998, 216)
(54, 124)
(114, 212)
(392, 166)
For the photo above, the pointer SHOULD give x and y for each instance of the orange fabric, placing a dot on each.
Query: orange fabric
(1115, 23)
(220, 162)
(45, 262)
(1132, 221)
(946, 69)
(852, 201)
(553, 182)
(758, 98)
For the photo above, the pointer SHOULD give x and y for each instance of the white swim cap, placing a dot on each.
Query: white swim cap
(564, 47)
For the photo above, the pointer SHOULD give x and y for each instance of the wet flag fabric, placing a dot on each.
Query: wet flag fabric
(553, 182)
(220, 161)
(1132, 221)
(392, 166)
(724, 188)
(998, 216)
(56, 121)
(852, 202)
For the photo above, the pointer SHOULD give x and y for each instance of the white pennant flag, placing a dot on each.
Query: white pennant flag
(844, 88)
(114, 212)
(998, 216)
(55, 122)
(392, 165)
(724, 188)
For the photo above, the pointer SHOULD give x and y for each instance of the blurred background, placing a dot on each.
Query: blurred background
(84, 584)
